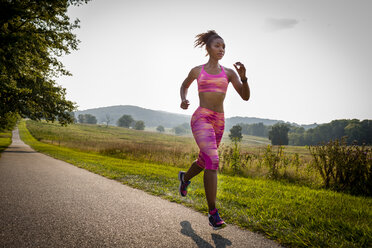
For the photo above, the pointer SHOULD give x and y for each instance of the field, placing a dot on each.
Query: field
(292, 213)
(179, 151)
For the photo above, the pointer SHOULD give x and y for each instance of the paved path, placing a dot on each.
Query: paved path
(45, 202)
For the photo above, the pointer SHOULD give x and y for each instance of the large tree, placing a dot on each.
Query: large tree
(236, 133)
(279, 134)
(33, 34)
(125, 121)
(140, 125)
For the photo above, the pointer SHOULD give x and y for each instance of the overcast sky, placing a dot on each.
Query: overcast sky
(307, 60)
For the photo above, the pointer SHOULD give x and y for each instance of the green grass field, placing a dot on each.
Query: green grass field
(295, 216)
(5, 140)
(179, 151)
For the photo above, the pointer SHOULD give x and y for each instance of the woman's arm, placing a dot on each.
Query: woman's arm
(241, 85)
(193, 74)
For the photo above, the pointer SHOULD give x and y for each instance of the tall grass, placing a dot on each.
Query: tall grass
(293, 215)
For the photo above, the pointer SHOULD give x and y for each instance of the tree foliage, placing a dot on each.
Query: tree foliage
(160, 129)
(33, 34)
(87, 119)
(236, 133)
(125, 121)
(279, 134)
(8, 121)
(255, 129)
(182, 129)
(140, 125)
(355, 131)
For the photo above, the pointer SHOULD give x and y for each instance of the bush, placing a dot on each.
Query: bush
(344, 168)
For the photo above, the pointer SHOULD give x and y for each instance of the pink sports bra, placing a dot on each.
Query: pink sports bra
(212, 83)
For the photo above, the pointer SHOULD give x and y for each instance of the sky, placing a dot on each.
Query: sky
(307, 61)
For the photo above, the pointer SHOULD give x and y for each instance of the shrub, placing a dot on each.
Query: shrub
(271, 160)
(344, 168)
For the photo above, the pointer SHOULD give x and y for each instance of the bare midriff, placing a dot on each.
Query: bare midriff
(212, 100)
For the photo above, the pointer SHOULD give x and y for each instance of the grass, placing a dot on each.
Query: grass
(173, 150)
(5, 140)
(295, 216)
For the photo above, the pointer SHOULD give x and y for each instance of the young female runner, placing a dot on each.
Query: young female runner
(208, 122)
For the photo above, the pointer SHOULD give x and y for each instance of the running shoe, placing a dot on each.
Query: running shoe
(215, 220)
(183, 185)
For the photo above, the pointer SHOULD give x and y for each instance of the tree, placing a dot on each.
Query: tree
(140, 125)
(107, 119)
(33, 34)
(179, 130)
(258, 129)
(160, 129)
(8, 121)
(125, 121)
(87, 118)
(182, 129)
(279, 134)
(255, 129)
(236, 133)
(354, 132)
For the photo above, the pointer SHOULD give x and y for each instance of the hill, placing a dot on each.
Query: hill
(154, 118)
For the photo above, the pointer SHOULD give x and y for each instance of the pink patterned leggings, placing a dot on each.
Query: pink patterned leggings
(207, 127)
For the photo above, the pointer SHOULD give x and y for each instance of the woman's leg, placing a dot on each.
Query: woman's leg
(205, 137)
(210, 186)
(194, 170)
(207, 131)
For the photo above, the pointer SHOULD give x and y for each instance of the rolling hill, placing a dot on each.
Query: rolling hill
(154, 118)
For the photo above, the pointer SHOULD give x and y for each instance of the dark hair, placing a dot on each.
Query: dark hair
(205, 39)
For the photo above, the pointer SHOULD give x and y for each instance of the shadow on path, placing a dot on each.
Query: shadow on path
(10, 151)
(219, 241)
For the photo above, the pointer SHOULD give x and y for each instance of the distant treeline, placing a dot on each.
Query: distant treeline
(256, 129)
(355, 131)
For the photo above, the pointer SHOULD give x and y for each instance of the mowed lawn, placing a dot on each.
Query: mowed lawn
(295, 216)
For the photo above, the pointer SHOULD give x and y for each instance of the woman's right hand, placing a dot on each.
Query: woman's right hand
(185, 104)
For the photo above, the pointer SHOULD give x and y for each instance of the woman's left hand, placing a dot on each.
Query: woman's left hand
(240, 69)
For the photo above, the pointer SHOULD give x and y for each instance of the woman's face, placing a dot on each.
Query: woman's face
(216, 49)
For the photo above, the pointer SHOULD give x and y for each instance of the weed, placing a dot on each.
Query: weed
(344, 168)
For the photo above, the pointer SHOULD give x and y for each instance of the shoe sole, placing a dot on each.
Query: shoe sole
(179, 188)
(219, 227)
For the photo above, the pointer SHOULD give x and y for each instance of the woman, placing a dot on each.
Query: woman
(207, 122)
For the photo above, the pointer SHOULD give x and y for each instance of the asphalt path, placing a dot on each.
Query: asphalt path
(46, 202)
